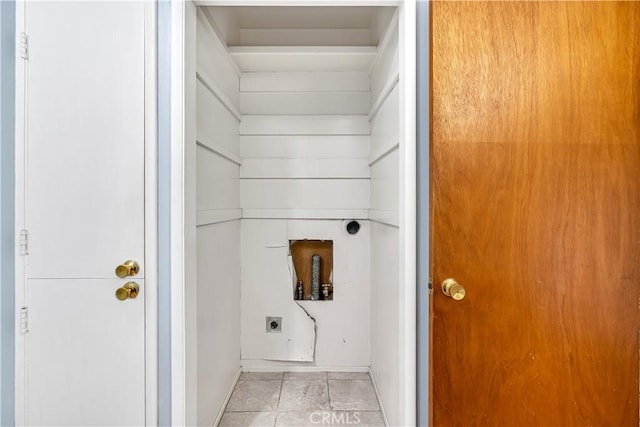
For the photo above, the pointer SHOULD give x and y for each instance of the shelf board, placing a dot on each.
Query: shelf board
(303, 58)
(340, 214)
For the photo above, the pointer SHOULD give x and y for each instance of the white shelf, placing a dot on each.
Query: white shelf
(207, 81)
(303, 58)
(215, 216)
(219, 150)
(305, 169)
(385, 217)
(305, 214)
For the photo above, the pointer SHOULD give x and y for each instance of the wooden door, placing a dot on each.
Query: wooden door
(84, 350)
(535, 191)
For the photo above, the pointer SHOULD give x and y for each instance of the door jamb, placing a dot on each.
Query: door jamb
(407, 211)
(182, 245)
(423, 214)
(150, 209)
(20, 209)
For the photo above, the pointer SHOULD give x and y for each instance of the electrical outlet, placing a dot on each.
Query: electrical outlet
(274, 324)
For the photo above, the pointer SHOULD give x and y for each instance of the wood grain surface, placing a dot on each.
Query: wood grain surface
(302, 251)
(535, 192)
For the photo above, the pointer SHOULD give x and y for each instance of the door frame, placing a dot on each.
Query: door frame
(150, 208)
(7, 191)
(423, 31)
(183, 252)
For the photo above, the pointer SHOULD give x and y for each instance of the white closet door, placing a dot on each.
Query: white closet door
(84, 354)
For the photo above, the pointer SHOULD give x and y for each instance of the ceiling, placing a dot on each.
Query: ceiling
(300, 25)
(305, 17)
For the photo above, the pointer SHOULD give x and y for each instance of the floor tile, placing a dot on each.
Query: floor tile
(329, 418)
(253, 396)
(364, 419)
(305, 375)
(248, 419)
(304, 395)
(299, 419)
(252, 376)
(349, 376)
(352, 395)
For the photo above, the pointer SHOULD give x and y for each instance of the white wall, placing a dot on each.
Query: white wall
(267, 290)
(384, 317)
(305, 145)
(385, 233)
(314, 148)
(218, 224)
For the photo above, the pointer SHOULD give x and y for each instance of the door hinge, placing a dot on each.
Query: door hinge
(24, 46)
(24, 320)
(430, 285)
(24, 242)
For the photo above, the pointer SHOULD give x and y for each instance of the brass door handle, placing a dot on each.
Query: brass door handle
(453, 289)
(127, 268)
(129, 290)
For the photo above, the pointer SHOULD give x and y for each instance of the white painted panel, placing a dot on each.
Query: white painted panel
(225, 22)
(304, 37)
(304, 13)
(386, 64)
(210, 84)
(304, 103)
(385, 187)
(214, 216)
(312, 58)
(212, 57)
(305, 193)
(220, 151)
(85, 174)
(218, 248)
(343, 324)
(84, 356)
(305, 146)
(385, 125)
(267, 289)
(346, 81)
(261, 365)
(184, 315)
(386, 90)
(304, 125)
(385, 302)
(217, 181)
(304, 168)
(305, 213)
(381, 21)
(214, 122)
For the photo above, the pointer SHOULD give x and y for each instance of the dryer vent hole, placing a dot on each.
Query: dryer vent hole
(353, 227)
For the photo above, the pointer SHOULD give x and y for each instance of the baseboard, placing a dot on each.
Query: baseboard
(227, 398)
(375, 387)
(283, 366)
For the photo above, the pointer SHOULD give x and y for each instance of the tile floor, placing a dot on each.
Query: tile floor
(302, 399)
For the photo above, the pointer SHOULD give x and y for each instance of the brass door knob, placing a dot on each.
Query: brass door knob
(453, 289)
(129, 290)
(127, 268)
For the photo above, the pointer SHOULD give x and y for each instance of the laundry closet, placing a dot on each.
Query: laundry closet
(301, 210)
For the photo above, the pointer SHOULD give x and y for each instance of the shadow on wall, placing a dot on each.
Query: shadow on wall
(7, 95)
